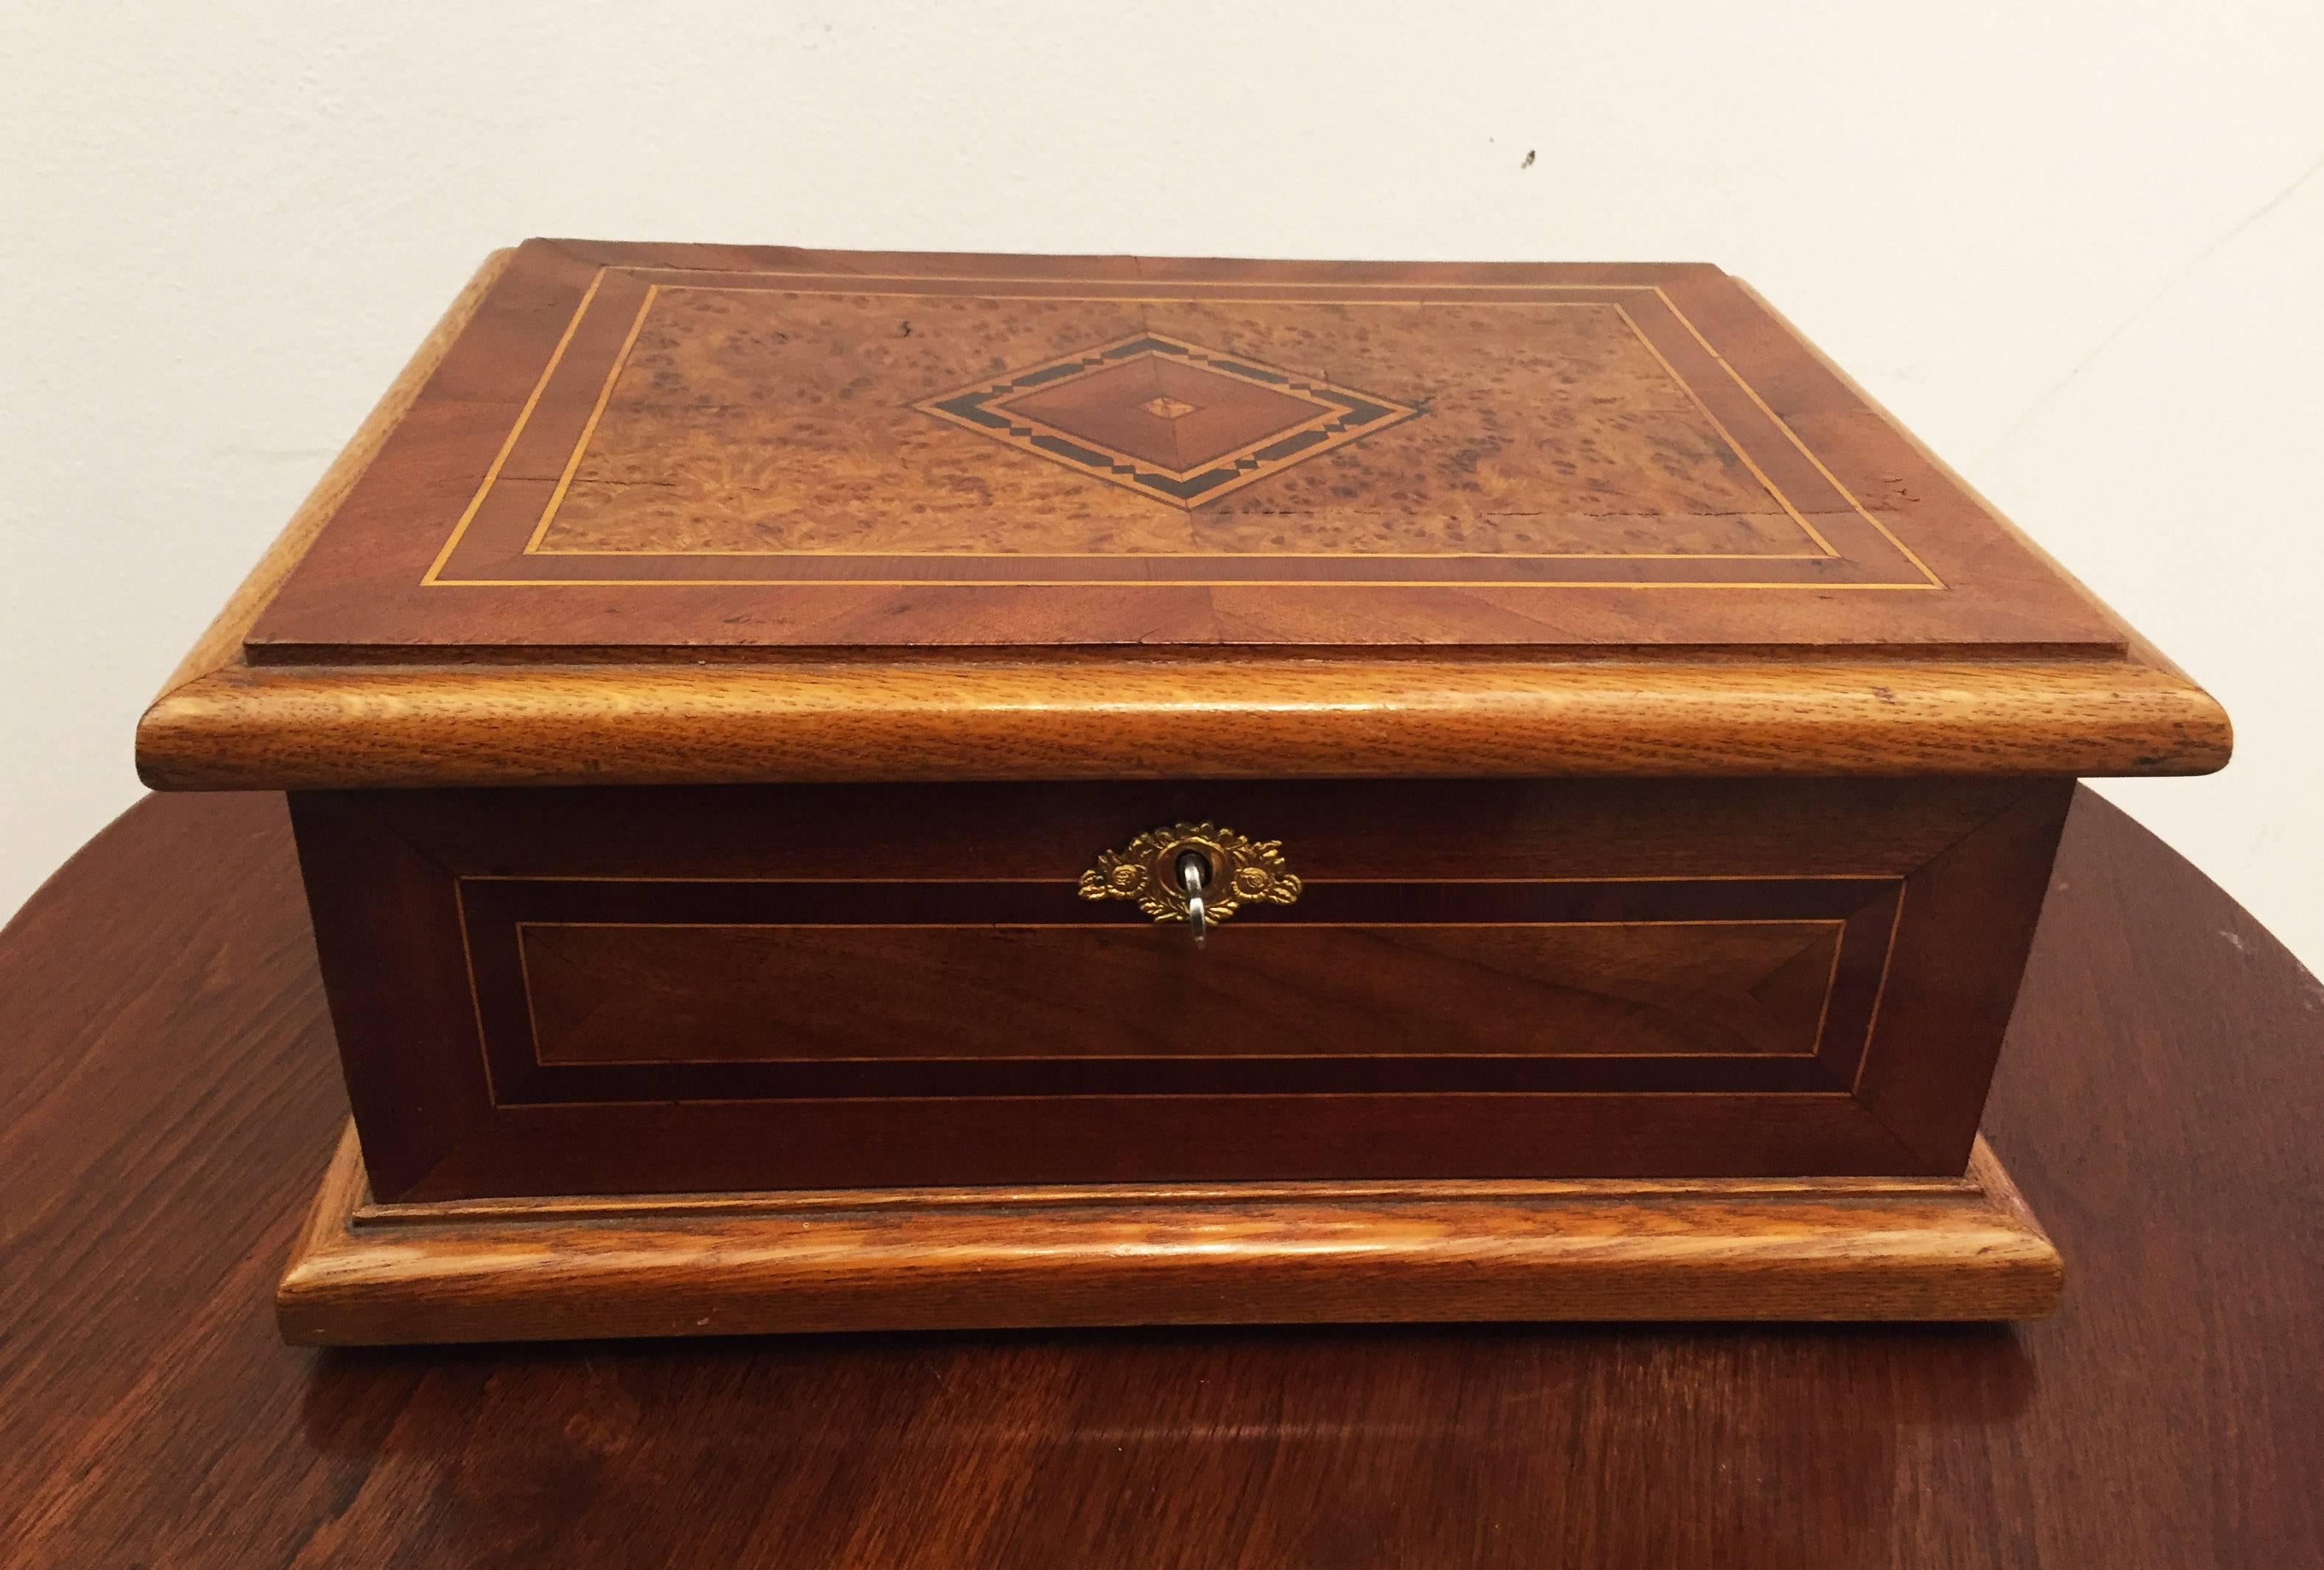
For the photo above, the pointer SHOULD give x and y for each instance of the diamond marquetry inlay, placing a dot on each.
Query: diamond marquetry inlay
(1175, 421)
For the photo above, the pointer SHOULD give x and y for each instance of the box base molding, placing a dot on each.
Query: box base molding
(1681, 1249)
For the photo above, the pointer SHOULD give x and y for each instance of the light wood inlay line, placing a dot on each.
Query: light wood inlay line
(597, 413)
(524, 415)
(1805, 451)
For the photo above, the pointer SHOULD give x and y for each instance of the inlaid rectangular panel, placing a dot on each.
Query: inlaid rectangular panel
(643, 988)
(613, 993)
(643, 447)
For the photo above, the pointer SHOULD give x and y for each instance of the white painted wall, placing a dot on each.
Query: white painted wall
(2078, 246)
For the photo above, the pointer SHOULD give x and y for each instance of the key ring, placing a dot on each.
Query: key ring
(1194, 871)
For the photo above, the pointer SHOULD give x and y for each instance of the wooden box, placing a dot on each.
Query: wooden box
(758, 722)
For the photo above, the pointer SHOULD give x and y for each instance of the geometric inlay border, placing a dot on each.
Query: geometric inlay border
(1294, 417)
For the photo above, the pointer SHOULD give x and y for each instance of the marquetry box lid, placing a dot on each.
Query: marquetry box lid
(672, 513)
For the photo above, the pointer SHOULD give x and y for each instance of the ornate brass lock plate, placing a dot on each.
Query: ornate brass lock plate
(1240, 872)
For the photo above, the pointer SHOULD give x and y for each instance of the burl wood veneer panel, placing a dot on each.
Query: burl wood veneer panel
(739, 425)
(627, 451)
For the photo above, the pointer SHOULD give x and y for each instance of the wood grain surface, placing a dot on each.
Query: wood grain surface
(756, 987)
(1917, 631)
(733, 429)
(246, 727)
(169, 1091)
(1845, 1249)
(642, 991)
(841, 449)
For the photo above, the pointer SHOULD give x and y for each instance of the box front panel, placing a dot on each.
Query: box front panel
(612, 991)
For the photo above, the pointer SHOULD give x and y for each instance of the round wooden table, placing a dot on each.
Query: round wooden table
(168, 1094)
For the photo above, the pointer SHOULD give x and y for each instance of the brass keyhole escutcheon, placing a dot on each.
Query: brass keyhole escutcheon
(1196, 872)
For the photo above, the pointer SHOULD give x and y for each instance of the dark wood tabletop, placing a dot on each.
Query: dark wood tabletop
(169, 1092)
